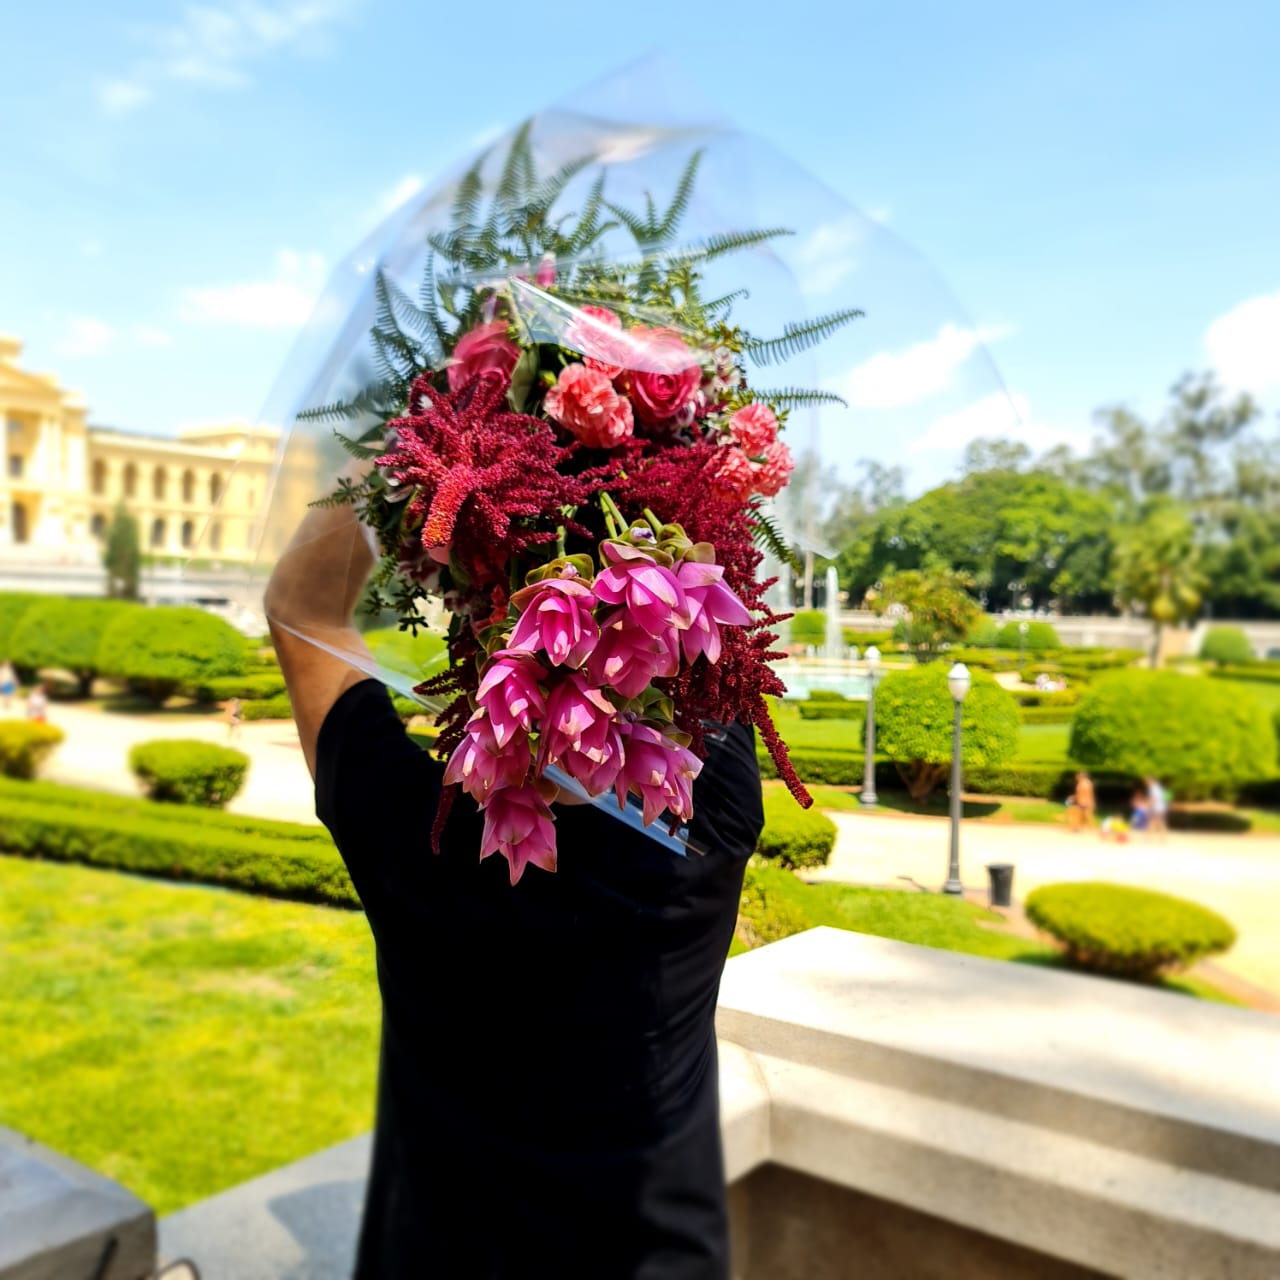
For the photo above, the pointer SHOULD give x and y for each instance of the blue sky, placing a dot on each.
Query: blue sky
(1098, 183)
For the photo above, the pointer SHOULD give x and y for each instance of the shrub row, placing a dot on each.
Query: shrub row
(1046, 715)
(275, 708)
(814, 709)
(1046, 697)
(254, 685)
(795, 837)
(1262, 672)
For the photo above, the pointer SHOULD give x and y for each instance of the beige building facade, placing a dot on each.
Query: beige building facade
(200, 494)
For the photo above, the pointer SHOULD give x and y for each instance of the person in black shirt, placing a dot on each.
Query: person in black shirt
(547, 1096)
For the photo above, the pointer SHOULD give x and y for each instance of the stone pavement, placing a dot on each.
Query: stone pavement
(1238, 876)
(96, 754)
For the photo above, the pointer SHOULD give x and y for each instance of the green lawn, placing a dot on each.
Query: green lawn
(1044, 744)
(180, 1039)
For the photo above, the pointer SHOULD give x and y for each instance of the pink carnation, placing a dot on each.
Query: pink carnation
(773, 473)
(485, 350)
(734, 478)
(755, 428)
(584, 402)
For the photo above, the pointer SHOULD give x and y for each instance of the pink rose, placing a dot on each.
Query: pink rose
(664, 387)
(592, 334)
(485, 350)
(773, 473)
(734, 478)
(755, 428)
(584, 402)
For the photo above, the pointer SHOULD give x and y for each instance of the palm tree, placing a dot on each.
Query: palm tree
(1156, 567)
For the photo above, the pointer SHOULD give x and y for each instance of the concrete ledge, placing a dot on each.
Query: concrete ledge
(1125, 1130)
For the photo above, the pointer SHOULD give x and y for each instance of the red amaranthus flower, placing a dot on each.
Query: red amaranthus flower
(478, 471)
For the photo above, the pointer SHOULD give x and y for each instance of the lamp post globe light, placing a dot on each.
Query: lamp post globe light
(868, 795)
(958, 681)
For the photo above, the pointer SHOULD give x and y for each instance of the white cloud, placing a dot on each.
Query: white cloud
(120, 96)
(213, 44)
(1000, 415)
(828, 254)
(405, 189)
(86, 337)
(282, 302)
(145, 335)
(892, 379)
(1244, 345)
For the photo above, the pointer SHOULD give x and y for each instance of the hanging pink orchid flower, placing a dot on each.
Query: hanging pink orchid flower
(510, 694)
(518, 825)
(651, 592)
(659, 770)
(712, 605)
(481, 765)
(556, 617)
(576, 724)
(627, 658)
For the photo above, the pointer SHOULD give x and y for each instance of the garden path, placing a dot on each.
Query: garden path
(1238, 876)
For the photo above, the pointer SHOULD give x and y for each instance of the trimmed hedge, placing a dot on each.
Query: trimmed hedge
(187, 771)
(1046, 697)
(984, 633)
(1198, 736)
(1040, 636)
(1262, 672)
(25, 745)
(164, 648)
(808, 626)
(765, 915)
(1046, 715)
(276, 708)
(864, 640)
(13, 607)
(1132, 933)
(65, 634)
(1226, 646)
(795, 837)
(831, 709)
(255, 685)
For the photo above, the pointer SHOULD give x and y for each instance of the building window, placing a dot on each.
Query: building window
(159, 484)
(157, 532)
(130, 480)
(215, 537)
(188, 534)
(215, 487)
(98, 526)
(188, 487)
(15, 466)
(18, 522)
(99, 476)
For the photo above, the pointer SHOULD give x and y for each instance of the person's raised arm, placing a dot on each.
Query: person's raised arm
(313, 591)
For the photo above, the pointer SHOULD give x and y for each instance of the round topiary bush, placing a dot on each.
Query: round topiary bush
(1128, 932)
(186, 771)
(66, 634)
(1041, 637)
(794, 837)
(1226, 645)
(809, 626)
(985, 634)
(914, 717)
(24, 747)
(161, 649)
(1198, 736)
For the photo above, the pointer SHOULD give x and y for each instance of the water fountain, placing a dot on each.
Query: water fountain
(833, 648)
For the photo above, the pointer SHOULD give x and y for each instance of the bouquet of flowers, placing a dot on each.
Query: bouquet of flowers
(564, 447)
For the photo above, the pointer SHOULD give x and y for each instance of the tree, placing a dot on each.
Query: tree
(165, 648)
(1157, 569)
(1195, 734)
(990, 453)
(121, 556)
(938, 608)
(64, 633)
(914, 720)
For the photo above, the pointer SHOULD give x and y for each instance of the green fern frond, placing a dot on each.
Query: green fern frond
(770, 537)
(466, 204)
(680, 201)
(796, 338)
(364, 452)
(800, 397)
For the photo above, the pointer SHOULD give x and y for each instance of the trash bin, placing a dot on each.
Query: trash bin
(1001, 877)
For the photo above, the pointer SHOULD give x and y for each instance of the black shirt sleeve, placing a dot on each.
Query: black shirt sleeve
(374, 785)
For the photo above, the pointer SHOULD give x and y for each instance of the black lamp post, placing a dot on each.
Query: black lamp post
(958, 681)
(868, 795)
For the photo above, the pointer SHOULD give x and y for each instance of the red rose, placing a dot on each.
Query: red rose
(664, 388)
(486, 351)
(584, 402)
